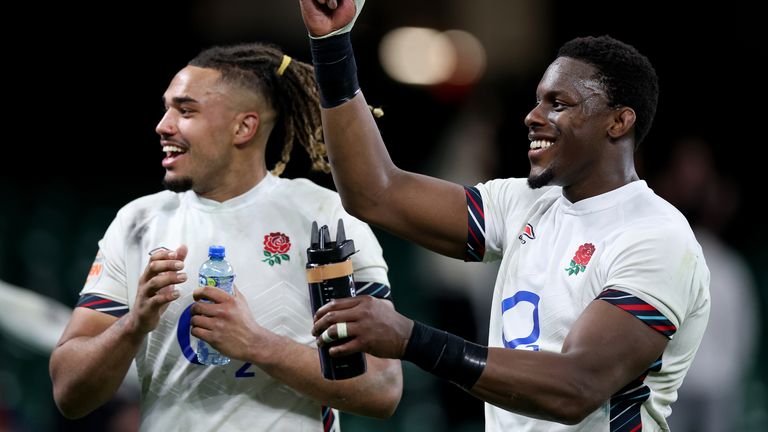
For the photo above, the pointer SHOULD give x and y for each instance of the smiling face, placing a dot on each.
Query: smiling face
(197, 130)
(568, 127)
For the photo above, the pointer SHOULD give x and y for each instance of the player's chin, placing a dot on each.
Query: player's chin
(177, 183)
(540, 177)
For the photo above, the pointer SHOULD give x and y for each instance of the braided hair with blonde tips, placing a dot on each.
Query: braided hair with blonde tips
(292, 94)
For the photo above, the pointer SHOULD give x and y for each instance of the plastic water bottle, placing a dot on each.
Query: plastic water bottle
(219, 273)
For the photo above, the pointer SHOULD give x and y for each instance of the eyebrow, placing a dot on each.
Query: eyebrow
(553, 94)
(178, 100)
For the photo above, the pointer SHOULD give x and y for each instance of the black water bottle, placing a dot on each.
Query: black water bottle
(329, 275)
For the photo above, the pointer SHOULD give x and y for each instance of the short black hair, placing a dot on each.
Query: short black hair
(628, 77)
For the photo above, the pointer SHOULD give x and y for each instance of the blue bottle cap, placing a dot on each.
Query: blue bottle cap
(216, 251)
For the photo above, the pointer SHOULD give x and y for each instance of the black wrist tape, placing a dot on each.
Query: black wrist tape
(446, 355)
(335, 69)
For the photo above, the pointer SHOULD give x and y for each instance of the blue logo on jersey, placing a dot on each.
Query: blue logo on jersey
(508, 307)
(182, 335)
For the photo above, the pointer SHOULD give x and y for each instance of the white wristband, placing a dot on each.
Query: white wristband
(358, 7)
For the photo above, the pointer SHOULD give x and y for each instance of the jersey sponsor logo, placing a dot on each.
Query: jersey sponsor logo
(276, 247)
(527, 233)
(97, 269)
(581, 259)
(520, 320)
(184, 338)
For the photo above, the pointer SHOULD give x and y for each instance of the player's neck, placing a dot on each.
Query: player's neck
(597, 186)
(235, 182)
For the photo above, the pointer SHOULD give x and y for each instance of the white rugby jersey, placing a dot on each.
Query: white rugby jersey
(266, 232)
(628, 247)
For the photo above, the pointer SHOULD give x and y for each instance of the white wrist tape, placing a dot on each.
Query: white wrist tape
(358, 7)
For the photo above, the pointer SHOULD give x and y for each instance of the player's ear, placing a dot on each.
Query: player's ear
(246, 126)
(622, 121)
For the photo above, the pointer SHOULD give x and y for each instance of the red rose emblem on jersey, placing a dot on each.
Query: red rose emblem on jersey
(276, 246)
(277, 243)
(581, 259)
(584, 254)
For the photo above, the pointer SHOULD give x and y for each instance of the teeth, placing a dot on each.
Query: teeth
(172, 149)
(541, 144)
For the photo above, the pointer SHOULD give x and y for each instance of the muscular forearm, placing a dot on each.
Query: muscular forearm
(87, 370)
(376, 393)
(545, 385)
(606, 349)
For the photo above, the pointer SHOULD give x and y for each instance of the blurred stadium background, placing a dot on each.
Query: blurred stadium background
(85, 86)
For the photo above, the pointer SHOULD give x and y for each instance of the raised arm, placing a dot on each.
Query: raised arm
(426, 210)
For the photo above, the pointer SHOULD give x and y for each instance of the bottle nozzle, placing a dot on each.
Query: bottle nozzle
(323, 250)
(325, 236)
(341, 237)
(314, 236)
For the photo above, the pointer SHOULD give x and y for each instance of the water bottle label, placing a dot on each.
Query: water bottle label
(221, 282)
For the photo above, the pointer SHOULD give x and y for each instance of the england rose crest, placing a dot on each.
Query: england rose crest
(581, 259)
(276, 247)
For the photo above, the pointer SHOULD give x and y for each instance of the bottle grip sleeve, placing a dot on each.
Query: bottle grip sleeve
(329, 271)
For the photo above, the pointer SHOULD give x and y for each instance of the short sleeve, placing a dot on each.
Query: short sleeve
(368, 262)
(107, 276)
(662, 267)
(505, 204)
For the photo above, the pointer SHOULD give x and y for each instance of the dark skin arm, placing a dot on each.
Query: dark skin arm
(606, 349)
(426, 210)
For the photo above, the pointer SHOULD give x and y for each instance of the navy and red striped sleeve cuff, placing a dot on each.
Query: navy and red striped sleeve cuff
(373, 289)
(641, 310)
(102, 304)
(475, 225)
(329, 419)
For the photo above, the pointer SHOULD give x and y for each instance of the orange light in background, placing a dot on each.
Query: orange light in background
(424, 56)
(471, 58)
(415, 55)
